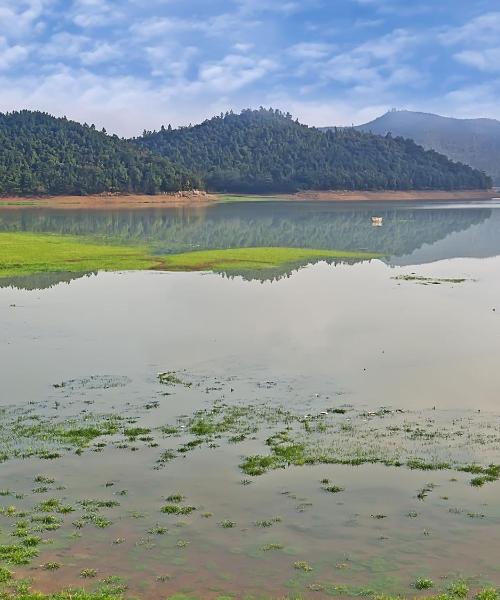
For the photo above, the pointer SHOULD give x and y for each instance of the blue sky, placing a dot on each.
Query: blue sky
(135, 64)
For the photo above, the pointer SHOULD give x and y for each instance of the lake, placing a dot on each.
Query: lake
(315, 429)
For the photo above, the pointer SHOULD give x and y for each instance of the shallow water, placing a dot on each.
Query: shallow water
(321, 336)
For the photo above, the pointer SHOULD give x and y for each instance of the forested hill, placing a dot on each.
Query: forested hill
(475, 142)
(40, 154)
(252, 152)
(267, 151)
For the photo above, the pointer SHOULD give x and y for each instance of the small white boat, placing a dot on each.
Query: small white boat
(377, 221)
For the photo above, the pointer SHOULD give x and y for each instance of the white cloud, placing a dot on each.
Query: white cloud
(242, 47)
(234, 72)
(170, 60)
(311, 50)
(62, 45)
(377, 64)
(485, 60)
(280, 6)
(20, 18)
(484, 29)
(95, 13)
(11, 55)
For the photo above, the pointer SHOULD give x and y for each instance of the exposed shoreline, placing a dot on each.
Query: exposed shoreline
(180, 199)
(391, 196)
(106, 201)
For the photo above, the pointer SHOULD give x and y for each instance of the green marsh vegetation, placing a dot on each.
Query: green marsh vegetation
(422, 280)
(284, 225)
(111, 590)
(417, 440)
(251, 259)
(24, 254)
(259, 436)
(29, 253)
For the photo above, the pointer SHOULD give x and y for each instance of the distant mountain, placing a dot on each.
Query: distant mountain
(266, 151)
(475, 142)
(41, 154)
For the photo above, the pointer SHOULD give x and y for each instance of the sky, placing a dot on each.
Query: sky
(130, 65)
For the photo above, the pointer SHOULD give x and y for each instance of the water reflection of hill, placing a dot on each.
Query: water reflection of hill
(40, 281)
(407, 232)
(311, 225)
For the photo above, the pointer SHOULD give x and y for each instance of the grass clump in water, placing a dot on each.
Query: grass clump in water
(429, 280)
(5, 574)
(260, 258)
(177, 509)
(17, 554)
(302, 565)
(171, 378)
(423, 583)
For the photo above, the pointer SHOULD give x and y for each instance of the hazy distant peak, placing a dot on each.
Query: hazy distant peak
(475, 142)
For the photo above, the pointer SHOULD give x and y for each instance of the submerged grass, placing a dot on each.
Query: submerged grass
(250, 259)
(29, 253)
(429, 280)
(116, 592)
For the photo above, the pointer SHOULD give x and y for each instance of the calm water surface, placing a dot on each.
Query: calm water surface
(321, 335)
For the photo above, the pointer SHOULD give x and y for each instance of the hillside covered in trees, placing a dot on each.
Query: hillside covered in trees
(267, 151)
(475, 142)
(41, 154)
(263, 151)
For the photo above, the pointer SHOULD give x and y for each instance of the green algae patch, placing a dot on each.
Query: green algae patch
(30, 253)
(249, 259)
(25, 253)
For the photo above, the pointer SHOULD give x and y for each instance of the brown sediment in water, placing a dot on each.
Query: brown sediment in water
(396, 196)
(200, 198)
(107, 201)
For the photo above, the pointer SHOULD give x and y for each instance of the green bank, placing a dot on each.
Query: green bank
(28, 254)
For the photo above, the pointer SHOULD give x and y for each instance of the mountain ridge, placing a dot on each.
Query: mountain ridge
(472, 141)
(266, 151)
(255, 151)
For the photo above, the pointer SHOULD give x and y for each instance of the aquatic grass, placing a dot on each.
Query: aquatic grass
(334, 489)
(88, 573)
(175, 498)
(177, 509)
(157, 530)
(423, 583)
(171, 378)
(259, 258)
(44, 479)
(429, 280)
(5, 574)
(274, 546)
(17, 554)
(227, 524)
(30, 253)
(302, 565)
(51, 566)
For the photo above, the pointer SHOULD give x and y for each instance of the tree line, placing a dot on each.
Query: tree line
(267, 151)
(262, 151)
(40, 154)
